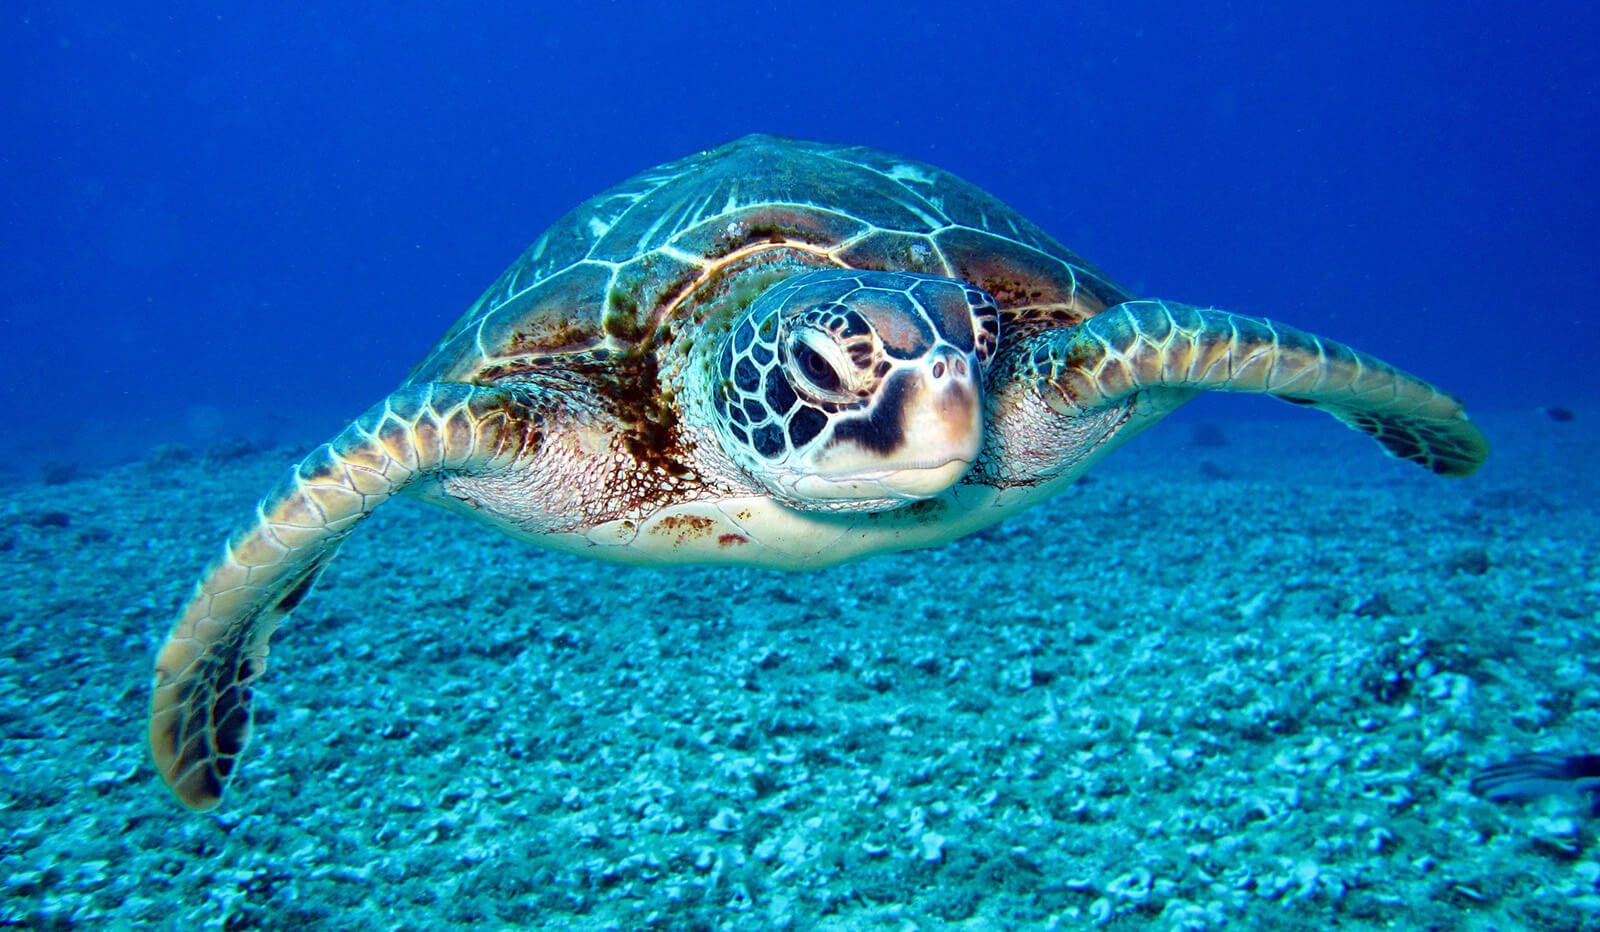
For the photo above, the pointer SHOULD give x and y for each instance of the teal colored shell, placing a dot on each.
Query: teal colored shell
(607, 275)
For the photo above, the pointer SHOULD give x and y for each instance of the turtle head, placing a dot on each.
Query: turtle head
(852, 390)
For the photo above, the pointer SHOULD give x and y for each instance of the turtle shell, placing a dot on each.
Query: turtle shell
(609, 274)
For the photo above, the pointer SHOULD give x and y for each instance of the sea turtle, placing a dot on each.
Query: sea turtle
(775, 353)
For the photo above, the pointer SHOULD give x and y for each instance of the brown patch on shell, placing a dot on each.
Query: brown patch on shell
(560, 315)
(642, 293)
(549, 336)
(887, 250)
(729, 278)
(1034, 290)
(766, 223)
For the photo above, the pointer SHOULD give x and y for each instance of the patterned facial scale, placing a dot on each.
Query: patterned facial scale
(828, 358)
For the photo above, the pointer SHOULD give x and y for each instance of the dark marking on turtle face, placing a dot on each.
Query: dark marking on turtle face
(779, 395)
(806, 424)
(882, 429)
(769, 440)
(746, 376)
(729, 540)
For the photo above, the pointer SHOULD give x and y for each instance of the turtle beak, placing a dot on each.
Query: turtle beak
(922, 433)
(943, 422)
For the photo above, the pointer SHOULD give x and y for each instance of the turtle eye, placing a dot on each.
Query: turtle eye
(818, 371)
(819, 374)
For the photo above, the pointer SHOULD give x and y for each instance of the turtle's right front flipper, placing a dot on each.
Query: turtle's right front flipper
(1165, 352)
(200, 710)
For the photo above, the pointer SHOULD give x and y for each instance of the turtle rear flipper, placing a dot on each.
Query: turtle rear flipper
(200, 710)
(1175, 349)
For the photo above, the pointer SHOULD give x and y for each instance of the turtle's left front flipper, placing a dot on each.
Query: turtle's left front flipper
(200, 710)
(1171, 350)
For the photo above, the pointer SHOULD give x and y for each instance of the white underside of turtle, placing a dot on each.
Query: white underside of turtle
(776, 353)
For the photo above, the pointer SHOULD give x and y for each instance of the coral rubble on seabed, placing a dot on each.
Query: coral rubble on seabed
(1214, 684)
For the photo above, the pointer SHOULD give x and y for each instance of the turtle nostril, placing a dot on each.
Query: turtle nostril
(947, 364)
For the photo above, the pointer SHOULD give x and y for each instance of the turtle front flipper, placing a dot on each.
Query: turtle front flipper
(1170, 351)
(200, 711)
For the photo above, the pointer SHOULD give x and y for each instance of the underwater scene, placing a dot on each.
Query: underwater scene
(818, 484)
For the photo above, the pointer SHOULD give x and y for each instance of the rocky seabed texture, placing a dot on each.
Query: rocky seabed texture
(1238, 678)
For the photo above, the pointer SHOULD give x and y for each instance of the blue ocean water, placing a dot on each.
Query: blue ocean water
(1229, 680)
(250, 221)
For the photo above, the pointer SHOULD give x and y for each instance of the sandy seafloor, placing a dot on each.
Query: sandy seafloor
(1235, 686)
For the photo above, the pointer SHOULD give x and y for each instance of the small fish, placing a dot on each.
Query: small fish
(1562, 415)
(1528, 776)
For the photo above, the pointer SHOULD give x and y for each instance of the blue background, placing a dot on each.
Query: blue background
(222, 219)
